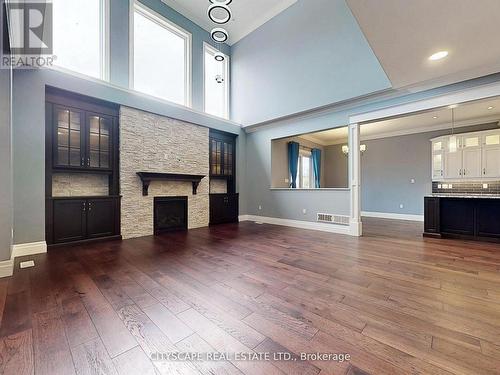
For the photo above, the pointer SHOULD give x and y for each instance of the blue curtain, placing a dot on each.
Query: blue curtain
(316, 160)
(293, 162)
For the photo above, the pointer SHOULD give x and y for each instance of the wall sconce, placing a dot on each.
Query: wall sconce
(345, 149)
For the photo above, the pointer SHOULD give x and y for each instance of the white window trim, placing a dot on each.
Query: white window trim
(104, 48)
(135, 5)
(208, 47)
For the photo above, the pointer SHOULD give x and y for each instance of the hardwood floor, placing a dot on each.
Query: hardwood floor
(395, 302)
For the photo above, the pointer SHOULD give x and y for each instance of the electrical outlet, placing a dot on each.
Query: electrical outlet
(287, 181)
(412, 181)
(304, 211)
(401, 205)
(260, 207)
(485, 186)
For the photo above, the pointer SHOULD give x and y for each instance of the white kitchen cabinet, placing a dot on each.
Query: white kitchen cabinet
(466, 156)
(453, 164)
(471, 155)
(438, 159)
(491, 155)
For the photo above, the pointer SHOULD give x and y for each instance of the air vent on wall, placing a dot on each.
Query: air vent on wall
(333, 219)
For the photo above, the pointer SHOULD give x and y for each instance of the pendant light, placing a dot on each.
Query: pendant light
(452, 144)
(219, 13)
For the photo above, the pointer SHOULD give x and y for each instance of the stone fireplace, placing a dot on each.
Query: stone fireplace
(170, 214)
(158, 144)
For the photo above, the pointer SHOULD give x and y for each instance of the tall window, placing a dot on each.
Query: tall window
(161, 57)
(305, 175)
(80, 37)
(216, 76)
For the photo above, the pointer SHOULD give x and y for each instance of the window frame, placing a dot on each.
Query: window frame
(104, 47)
(212, 50)
(162, 21)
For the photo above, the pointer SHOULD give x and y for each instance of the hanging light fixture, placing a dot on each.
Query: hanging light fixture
(219, 56)
(219, 13)
(225, 2)
(452, 143)
(219, 35)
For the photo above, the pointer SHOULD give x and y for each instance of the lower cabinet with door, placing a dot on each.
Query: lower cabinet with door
(224, 208)
(462, 217)
(83, 219)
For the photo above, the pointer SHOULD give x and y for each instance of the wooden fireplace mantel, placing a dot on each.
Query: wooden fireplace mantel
(147, 177)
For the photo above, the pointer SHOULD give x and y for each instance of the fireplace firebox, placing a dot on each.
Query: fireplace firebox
(170, 214)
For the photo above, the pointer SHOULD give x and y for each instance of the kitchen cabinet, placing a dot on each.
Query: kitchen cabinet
(466, 156)
(491, 155)
(464, 217)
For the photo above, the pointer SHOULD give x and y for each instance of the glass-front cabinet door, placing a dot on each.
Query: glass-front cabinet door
(228, 159)
(437, 159)
(99, 141)
(69, 144)
(216, 157)
(82, 140)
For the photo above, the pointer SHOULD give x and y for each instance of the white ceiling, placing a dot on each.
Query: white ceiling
(248, 15)
(475, 113)
(403, 34)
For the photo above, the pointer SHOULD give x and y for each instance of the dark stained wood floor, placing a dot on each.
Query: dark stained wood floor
(397, 303)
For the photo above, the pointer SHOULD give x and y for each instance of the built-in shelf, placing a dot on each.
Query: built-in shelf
(147, 177)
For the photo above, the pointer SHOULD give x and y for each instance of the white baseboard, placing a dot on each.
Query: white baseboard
(28, 249)
(324, 227)
(6, 268)
(394, 216)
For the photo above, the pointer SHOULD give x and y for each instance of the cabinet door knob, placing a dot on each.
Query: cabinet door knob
(90, 206)
(83, 206)
(484, 170)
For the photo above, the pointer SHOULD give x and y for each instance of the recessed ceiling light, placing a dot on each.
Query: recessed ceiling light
(490, 108)
(438, 55)
(453, 106)
(434, 117)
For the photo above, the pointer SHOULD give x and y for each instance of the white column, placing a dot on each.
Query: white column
(355, 180)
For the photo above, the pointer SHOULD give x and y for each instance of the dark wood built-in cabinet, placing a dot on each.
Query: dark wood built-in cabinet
(224, 207)
(462, 217)
(81, 137)
(78, 219)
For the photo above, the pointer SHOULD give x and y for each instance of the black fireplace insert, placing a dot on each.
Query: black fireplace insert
(170, 214)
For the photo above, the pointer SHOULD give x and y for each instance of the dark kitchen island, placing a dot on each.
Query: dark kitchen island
(475, 217)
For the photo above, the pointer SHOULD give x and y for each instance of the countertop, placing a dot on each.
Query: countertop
(465, 196)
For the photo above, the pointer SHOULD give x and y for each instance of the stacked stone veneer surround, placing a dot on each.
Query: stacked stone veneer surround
(152, 143)
(79, 185)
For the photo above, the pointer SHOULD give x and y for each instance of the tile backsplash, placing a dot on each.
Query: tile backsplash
(466, 187)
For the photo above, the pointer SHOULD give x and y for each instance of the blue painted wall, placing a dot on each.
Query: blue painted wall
(311, 55)
(29, 112)
(5, 164)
